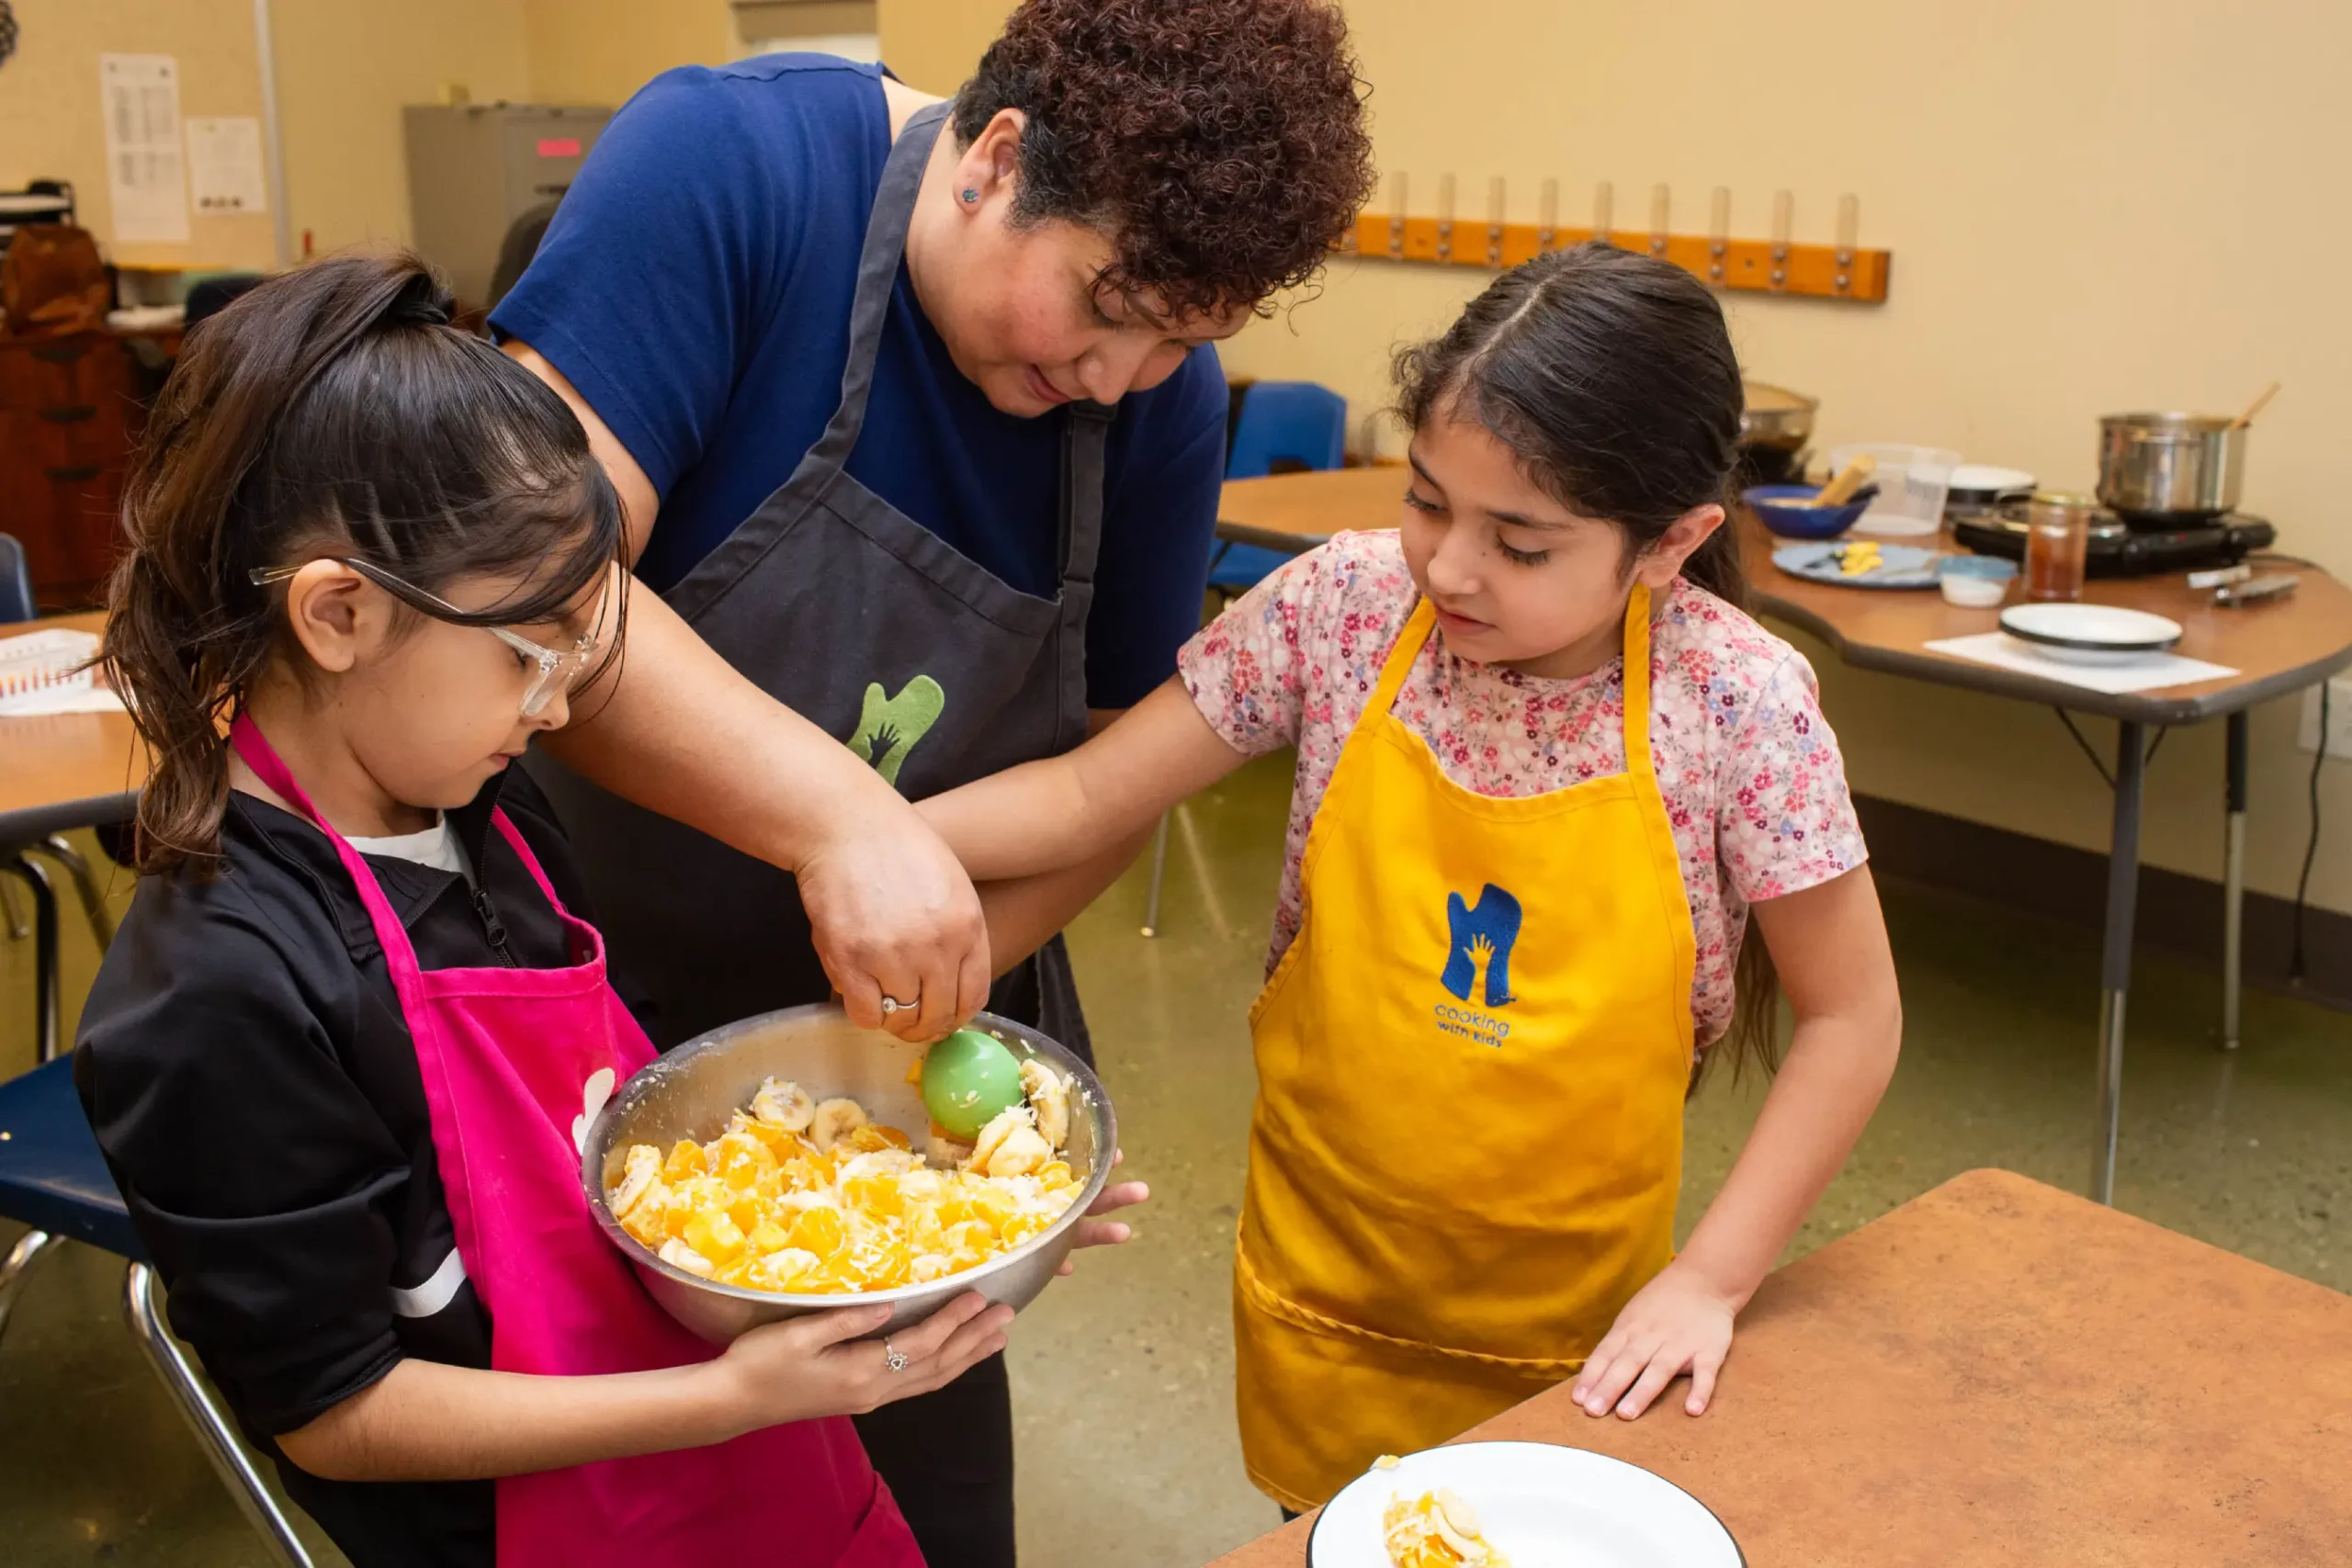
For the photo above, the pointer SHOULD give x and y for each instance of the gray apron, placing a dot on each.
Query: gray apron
(871, 626)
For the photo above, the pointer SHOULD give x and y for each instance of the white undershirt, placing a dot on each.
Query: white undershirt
(435, 846)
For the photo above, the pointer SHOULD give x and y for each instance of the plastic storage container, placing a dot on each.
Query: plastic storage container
(1912, 483)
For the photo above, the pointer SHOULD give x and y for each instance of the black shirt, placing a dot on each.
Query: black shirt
(244, 1060)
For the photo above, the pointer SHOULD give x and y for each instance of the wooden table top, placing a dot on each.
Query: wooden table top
(1999, 1374)
(2277, 646)
(66, 770)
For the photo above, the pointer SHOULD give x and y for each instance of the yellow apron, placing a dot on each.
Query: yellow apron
(1471, 1068)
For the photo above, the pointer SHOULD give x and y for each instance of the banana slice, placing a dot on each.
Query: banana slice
(643, 1169)
(1457, 1514)
(785, 1105)
(678, 1255)
(943, 1152)
(992, 1135)
(1020, 1152)
(835, 1120)
(1048, 1091)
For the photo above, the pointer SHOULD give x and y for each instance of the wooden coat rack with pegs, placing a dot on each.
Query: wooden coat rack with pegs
(1777, 265)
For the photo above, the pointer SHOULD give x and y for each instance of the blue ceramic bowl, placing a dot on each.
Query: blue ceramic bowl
(1774, 505)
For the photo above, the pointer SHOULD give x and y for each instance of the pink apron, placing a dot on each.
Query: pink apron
(516, 1062)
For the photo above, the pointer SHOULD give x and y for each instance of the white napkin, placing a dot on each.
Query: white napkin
(2145, 673)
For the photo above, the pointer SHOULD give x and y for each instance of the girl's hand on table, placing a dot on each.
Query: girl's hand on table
(1675, 1324)
(1095, 1231)
(808, 1367)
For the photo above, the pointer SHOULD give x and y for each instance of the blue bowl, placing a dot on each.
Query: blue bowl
(1772, 503)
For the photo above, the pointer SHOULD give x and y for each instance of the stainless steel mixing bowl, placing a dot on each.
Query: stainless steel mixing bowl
(692, 1091)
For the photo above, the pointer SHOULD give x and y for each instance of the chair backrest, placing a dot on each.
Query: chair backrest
(16, 582)
(1286, 425)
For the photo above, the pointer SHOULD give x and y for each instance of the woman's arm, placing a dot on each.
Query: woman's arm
(676, 729)
(425, 1421)
(1084, 806)
(1829, 945)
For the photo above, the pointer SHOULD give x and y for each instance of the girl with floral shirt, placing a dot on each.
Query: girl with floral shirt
(1506, 934)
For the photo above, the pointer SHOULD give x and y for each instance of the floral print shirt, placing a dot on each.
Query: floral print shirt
(1753, 782)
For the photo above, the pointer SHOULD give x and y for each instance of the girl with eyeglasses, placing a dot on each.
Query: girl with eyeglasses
(342, 1054)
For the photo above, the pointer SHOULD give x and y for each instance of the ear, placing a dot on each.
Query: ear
(1660, 564)
(336, 615)
(990, 166)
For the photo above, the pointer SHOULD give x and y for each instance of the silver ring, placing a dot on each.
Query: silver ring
(894, 1357)
(891, 1005)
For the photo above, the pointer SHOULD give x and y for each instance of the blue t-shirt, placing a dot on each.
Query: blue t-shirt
(695, 288)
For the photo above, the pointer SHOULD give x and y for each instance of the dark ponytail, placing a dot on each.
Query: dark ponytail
(330, 411)
(1612, 377)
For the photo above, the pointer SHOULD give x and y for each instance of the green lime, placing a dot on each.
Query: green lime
(969, 1079)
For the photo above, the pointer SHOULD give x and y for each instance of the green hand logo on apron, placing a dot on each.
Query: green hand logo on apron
(890, 728)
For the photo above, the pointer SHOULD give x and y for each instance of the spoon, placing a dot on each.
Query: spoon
(1840, 490)
(2254, 407)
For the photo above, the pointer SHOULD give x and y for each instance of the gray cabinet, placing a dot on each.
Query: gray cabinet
(473, 169)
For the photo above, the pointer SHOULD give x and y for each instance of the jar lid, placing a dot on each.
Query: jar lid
(2069, 498)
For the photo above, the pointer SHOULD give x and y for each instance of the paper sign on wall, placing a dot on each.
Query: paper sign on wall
(224, 167)
(139, 97)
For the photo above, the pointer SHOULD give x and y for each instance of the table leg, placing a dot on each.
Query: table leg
(2115, 960)
(2234, 882)
(45, 982)
(1158, 874)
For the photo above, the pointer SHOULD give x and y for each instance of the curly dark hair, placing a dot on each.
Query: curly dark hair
(1219, 144)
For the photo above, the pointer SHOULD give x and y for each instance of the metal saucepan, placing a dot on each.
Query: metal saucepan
(2167, 466)
(691, 1092)
(1774, 425)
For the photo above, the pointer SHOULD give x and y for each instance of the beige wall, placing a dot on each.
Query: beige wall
(599, 51)
(344, 70)
(50, 122)
(934, 44)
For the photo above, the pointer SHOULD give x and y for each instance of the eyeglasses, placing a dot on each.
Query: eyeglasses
(552, 668)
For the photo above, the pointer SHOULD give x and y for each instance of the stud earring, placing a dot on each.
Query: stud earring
(971, 195)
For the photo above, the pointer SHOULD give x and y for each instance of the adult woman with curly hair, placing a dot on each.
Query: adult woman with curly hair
(914, 415)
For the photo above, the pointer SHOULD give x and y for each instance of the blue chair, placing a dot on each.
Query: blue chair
(16, 582)
(1283, 427)
(53, 1178)
(17, 859)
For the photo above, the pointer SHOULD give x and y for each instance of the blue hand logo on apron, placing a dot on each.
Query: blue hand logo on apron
(1483, 937)
(890, 728)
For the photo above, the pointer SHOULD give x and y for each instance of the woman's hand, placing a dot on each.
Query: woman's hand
(1096, 1231)
(808, 1367)
(1675, 1324)
(892, 915)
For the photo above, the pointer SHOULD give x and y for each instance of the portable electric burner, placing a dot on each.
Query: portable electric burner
(2120, 547)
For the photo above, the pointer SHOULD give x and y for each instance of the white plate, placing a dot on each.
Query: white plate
(1893, 525)
(2090, 634)
(1540, 1506)
(1985, 476)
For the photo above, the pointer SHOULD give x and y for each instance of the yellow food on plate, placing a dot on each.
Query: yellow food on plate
(1860, 557)
(811, 1197)
(1436, 1530)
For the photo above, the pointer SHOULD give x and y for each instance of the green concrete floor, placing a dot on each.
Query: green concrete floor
(1122, 1374)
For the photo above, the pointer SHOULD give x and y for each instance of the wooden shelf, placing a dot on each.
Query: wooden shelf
(1817, 272)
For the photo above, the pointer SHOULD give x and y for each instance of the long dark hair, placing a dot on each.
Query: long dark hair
(1611, 376)
(330, 411)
